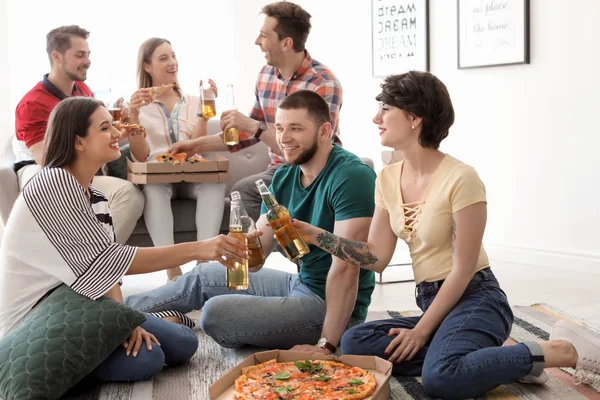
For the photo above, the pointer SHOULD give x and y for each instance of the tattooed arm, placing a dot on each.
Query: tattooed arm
(373, 255)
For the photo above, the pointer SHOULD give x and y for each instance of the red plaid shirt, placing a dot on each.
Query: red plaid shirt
(272, 88)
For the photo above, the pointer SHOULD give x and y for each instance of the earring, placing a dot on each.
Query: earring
(413, 127)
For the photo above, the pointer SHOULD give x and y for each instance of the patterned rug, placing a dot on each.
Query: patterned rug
(191, 381)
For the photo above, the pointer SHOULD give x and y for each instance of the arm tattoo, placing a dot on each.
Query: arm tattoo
(453, 234)
(356, 253)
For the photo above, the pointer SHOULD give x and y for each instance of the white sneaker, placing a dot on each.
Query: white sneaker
(535, 380)
(587, 346)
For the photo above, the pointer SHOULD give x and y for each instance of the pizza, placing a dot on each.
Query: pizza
(304, 380)
(129, 128)
(175, 159)
(196, 158)
(156, 91)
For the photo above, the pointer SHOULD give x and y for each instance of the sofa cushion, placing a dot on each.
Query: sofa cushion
(118, 168)
(61, 342)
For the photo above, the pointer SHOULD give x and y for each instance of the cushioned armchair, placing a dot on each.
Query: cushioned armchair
(9, 185)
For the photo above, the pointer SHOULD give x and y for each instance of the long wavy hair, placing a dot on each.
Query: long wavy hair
(144, 54)
(69, 119)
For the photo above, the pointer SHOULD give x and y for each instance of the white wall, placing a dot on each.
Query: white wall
(5, 126)
(202, 42)
(530, 130)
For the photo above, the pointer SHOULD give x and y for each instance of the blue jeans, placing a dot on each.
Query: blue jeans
(178, 343)
(464, 358)
(276, 311)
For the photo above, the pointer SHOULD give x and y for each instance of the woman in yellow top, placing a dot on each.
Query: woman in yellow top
(437, 205)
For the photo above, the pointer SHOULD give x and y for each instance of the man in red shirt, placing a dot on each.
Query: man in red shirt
(69, 53)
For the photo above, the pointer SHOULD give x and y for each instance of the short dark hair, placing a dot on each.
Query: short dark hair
(59, 39)
(69, 119)
(424, 95)
(292, 21)
(317, 107)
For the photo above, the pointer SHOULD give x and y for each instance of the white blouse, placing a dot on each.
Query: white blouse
(163, 129)
(56, 234)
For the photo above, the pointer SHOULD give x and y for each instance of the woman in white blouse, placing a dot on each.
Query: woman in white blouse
(171, 117)
(71, 226)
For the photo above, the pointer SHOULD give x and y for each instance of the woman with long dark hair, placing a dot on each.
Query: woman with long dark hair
(70, 226)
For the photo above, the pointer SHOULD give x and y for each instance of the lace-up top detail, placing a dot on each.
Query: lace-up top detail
(411, 212)
(426, 225)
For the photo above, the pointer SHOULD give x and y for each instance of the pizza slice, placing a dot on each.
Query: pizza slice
(196, 158)
(127, 129)
(156, 91)
(175, 159)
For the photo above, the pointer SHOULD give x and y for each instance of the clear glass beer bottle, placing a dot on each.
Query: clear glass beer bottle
(231, 136)
(287, 235)
(237, 277)
(257, 255)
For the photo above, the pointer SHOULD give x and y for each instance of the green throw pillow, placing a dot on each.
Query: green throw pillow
(61, 342)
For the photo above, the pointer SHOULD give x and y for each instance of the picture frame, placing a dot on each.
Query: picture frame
(492, 33)
(399, 36)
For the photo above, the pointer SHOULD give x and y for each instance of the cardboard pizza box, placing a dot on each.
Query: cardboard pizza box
(219, 163)
(152, 168)
(223, 388)
(200, 177)
(213, 171)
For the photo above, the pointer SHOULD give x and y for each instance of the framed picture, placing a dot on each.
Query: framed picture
(492, 33)
(400, 36)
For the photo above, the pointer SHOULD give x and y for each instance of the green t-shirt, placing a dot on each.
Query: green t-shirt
(344, 189)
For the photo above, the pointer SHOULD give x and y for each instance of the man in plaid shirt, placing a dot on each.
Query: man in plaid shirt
(289, 68)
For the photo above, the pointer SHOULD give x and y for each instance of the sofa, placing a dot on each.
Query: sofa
(243, 163)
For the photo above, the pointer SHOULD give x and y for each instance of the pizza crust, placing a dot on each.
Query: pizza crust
(156, 91)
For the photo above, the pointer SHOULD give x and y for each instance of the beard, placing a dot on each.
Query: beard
(305, 156)
(77, 75)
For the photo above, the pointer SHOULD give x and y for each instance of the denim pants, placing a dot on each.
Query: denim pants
(276, 311)
(464, 358)
(178, 343)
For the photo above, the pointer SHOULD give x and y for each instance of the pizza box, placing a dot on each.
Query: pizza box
(199, 177)
(215, 170)
(223, 388)
(219, 163)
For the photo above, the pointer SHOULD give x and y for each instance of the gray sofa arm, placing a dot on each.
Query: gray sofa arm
(9, 191)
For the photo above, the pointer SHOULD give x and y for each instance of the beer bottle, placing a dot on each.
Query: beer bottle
(207, 102)
(231, 136)
(237, 278)
(287, 235)
(257, 255)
